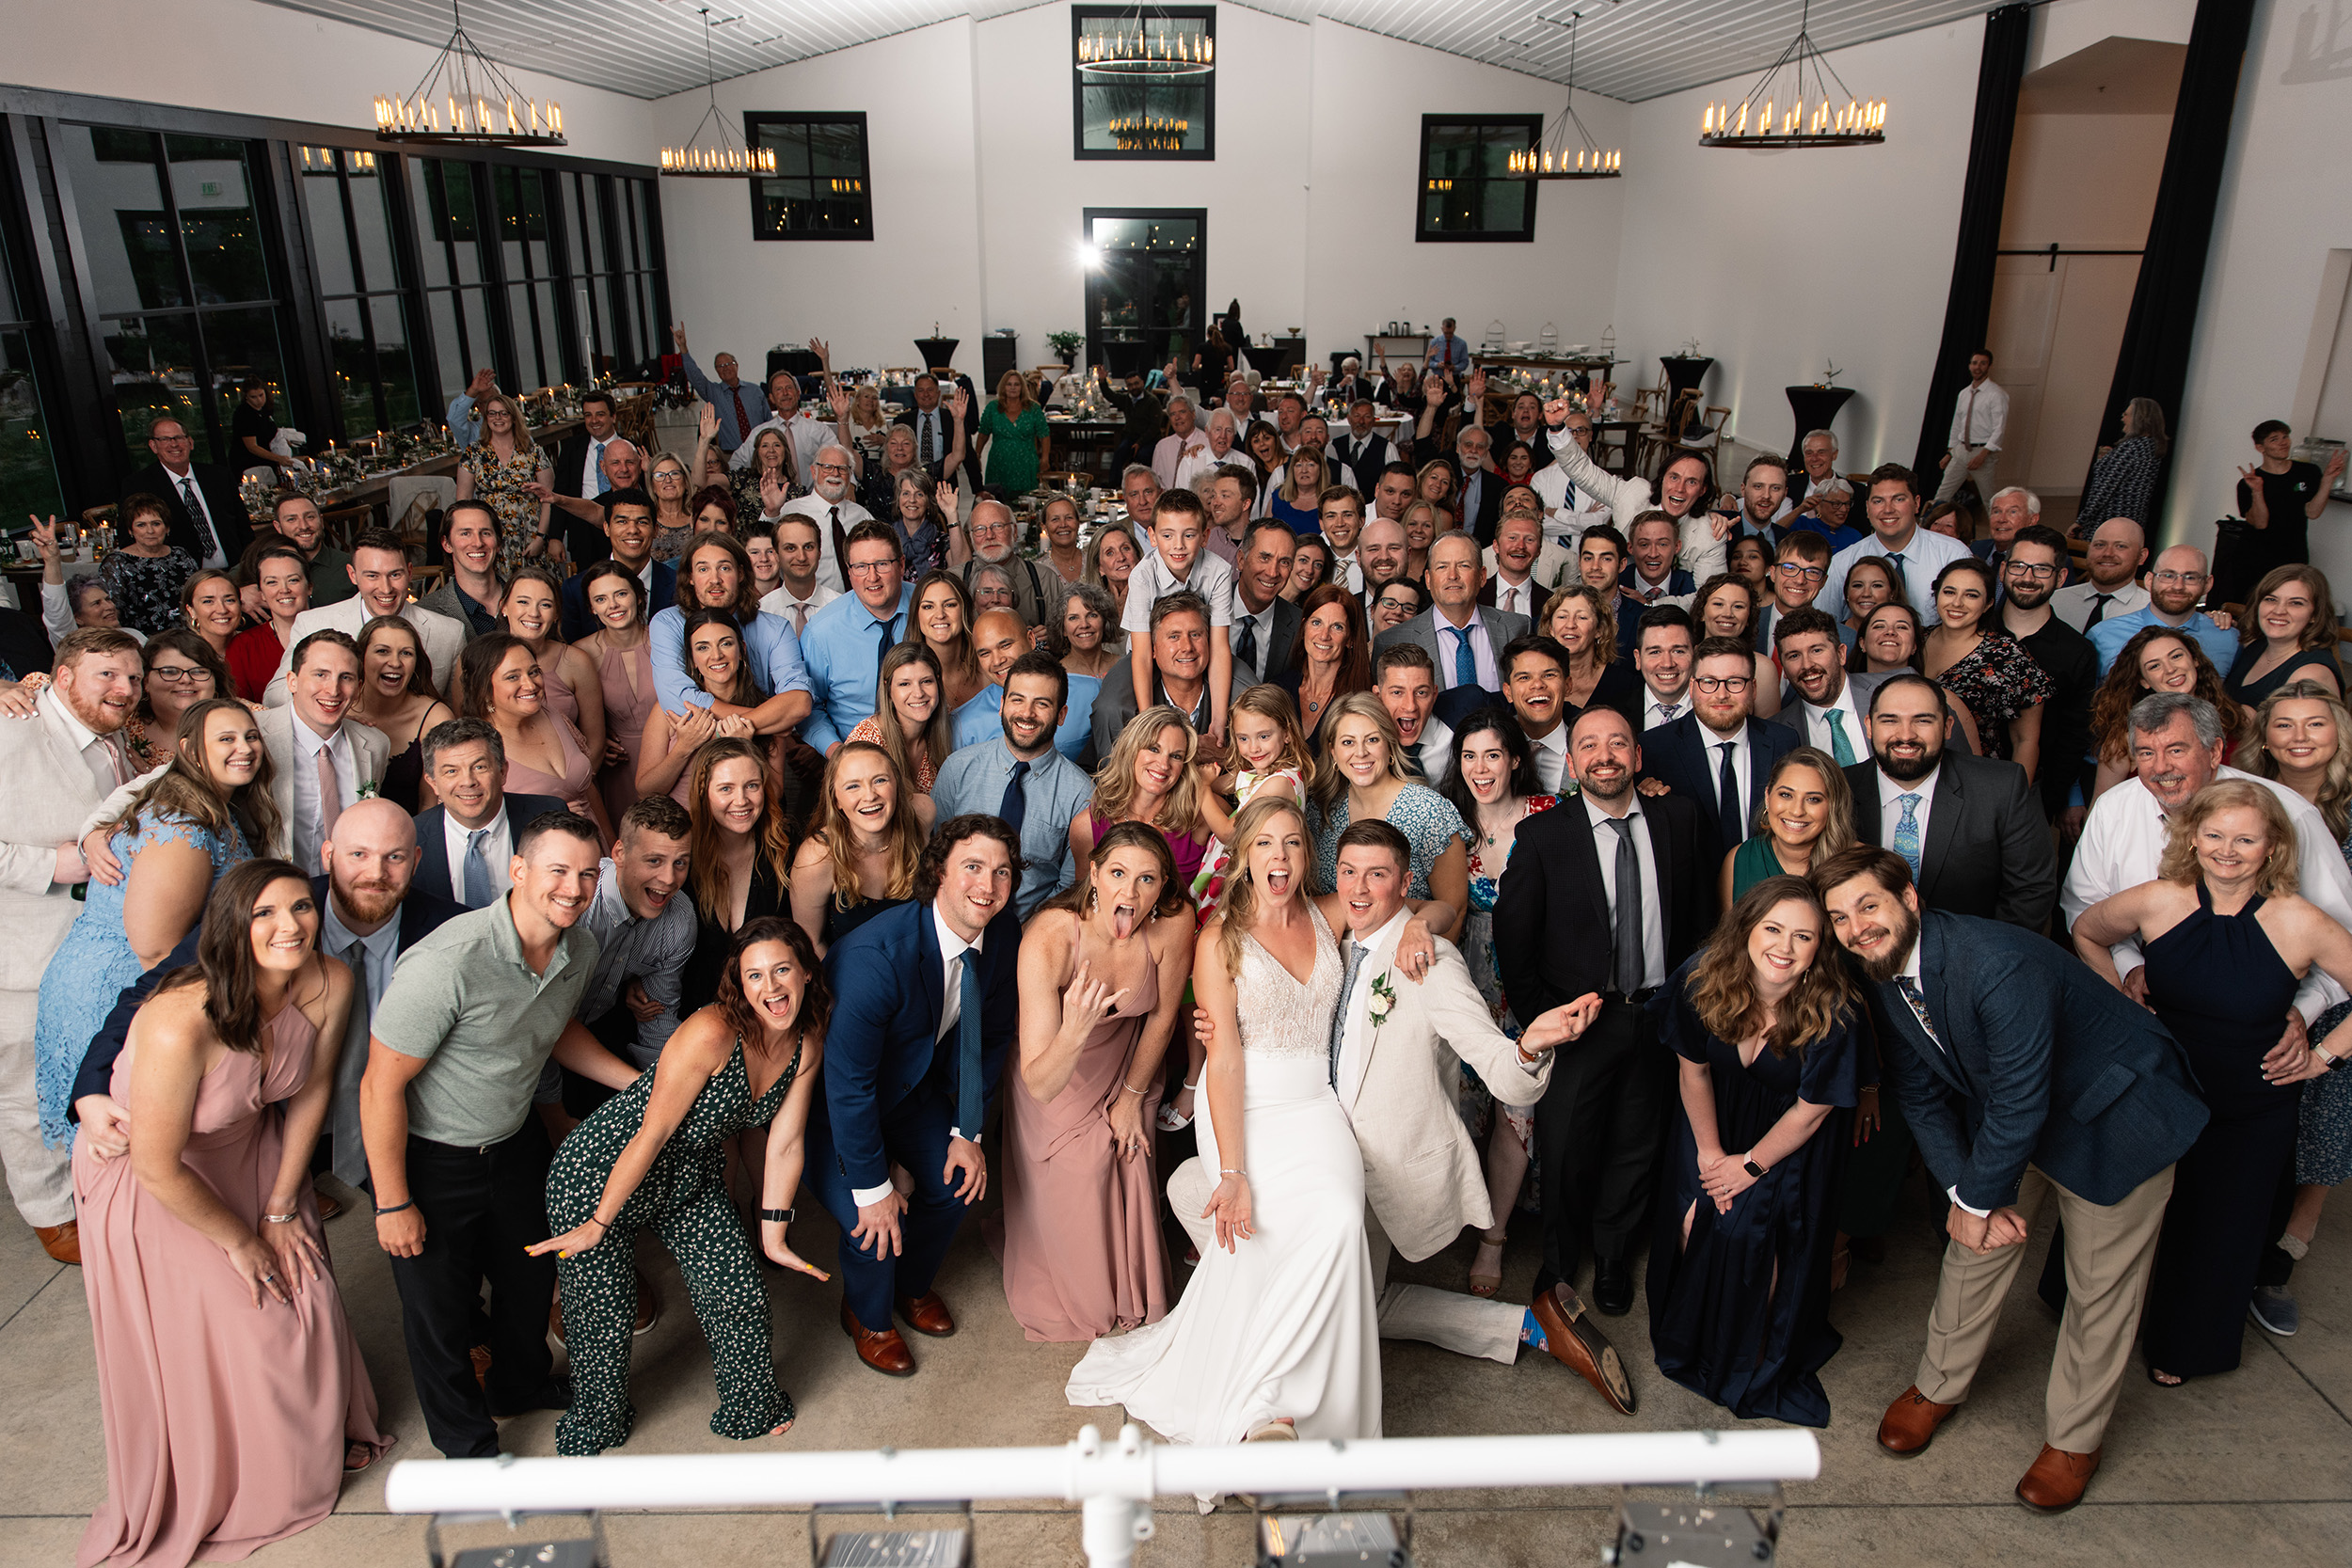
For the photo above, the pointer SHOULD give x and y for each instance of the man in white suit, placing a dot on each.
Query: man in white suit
(322, 759)
(59, 765)
(380, 569)
(1398, 1039)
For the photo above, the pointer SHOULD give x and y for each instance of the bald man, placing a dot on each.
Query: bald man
(2110, 581)
(998, 638)
(369, 914)
(2175, 586)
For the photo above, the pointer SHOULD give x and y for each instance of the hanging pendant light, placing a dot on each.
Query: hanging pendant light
(466, 100)
(721, 157)
(1146, 41)
(1556, 157)
(1799, 111)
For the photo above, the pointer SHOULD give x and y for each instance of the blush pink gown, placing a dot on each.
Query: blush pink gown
(625, 710)
(225, 1425)
(577, 779)
(1081, 1241)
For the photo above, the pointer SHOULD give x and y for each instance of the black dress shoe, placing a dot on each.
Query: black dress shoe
(1612, 1286)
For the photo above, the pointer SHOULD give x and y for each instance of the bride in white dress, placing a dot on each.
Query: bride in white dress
(1277, 1333)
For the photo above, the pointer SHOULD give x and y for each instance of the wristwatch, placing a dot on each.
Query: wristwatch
(781, 1217)
(1753, 1168)
(2333, 1062)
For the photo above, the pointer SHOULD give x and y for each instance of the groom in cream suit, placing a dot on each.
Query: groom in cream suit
(1398, 1038)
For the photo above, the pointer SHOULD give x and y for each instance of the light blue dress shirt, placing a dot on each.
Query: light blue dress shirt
(838, 650)
(722, 397)
(2109, 636)
(1055, 791)
(768, 642)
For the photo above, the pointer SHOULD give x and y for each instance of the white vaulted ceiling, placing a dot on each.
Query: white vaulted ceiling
(1626, 49)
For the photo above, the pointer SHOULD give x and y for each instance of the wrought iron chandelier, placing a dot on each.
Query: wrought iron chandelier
(723, 157)
(466, 100)
(1803, 114)
(1551, 158)
(1146, 43)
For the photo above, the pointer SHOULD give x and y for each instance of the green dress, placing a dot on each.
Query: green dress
(684, 1200)
(1869, 1188)
(1012, 448)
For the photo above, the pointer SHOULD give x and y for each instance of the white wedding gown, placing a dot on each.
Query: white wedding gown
(1286, 1323)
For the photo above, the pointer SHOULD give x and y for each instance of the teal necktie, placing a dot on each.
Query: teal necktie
(1838, 746)
(1907, 834)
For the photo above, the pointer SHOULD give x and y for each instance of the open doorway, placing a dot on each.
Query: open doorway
(2092, 129)
(1146, 277)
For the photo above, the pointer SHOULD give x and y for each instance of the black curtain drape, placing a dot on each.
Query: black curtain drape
(1969, 310)
(2154, 360)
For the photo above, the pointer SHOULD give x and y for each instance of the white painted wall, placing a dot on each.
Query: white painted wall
(1776, 262)
(2278, 217)
(239, 57)
(2060, 28)
(978, 204)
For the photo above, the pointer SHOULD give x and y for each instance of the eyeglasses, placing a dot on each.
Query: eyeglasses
(870, 568)
(2186, 580)
(1795, 569)
(1733, 684)
(2031, 574)
(178, 675)
(833, 468)
(672, 475)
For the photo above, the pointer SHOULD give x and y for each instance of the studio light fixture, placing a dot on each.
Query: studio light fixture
(1558, 157)
(1146, 41)
(466, 100)
(721, 157)
(1802, 111)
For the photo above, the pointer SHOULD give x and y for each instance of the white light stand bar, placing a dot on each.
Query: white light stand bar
(1113, 1483)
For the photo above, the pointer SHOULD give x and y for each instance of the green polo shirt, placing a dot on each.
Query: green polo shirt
(464, 1000)
(330, 576)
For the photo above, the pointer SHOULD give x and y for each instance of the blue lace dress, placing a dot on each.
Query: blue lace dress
(95, 962)
(2323, 1140)
(1426, 818)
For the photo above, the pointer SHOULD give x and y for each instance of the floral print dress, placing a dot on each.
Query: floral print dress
(506, 486)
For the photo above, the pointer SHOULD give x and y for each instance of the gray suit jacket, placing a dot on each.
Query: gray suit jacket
(370, 749)
(1422, 630)
(1115, 709)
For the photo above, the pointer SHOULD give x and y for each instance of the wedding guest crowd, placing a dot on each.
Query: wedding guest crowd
(1702, 864)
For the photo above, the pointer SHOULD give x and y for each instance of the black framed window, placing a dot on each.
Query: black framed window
(186, 300)
(1146, 272)
(29, 467)
(363, 290)
(1465, 192)
(1119, 112)
(823, 186)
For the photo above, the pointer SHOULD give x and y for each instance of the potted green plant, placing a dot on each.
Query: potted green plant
(1066, 346)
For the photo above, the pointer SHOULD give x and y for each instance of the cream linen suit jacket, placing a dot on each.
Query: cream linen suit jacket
(371, 748)
(1421, 1173)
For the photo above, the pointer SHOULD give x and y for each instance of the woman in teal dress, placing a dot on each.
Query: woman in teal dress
(1490, 780)
(1015, 429)
(1807, 815)
(654, 1158)
(199, 815)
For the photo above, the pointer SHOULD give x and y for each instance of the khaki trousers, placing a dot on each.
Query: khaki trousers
(1956, 473)
(41, 1179)
(2109, 1250)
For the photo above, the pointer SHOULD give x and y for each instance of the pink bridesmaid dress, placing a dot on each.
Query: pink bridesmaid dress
(578, 778)
(1081, 1240)
(628, 699)
(225, 1425)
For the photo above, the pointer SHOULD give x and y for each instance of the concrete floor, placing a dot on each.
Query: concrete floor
(2254, 1467)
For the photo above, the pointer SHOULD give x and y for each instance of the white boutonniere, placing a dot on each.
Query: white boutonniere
(368, 789)
(1383, 999)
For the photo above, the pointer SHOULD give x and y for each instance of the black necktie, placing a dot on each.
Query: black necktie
(1627, 936)
(1245, 650)
(930, 454)
(1014, 808)
(881, 650)
(203, 519)
(1727, 798)
(2099, 603)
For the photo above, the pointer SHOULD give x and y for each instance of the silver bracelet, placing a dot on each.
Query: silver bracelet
(1243, 1174)
(282, 1219)
(1131, 1088)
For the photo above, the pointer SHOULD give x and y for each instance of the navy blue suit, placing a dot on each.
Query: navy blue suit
(420, 913)
(890, 1090)
(1679, 584)
(2040, 1061)
(432, 841)
(1680, 755)
(578, 622)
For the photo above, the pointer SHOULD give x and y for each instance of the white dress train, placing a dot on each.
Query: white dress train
(1286, 1324)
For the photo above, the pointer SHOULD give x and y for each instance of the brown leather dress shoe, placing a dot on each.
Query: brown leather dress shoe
(2055, 1481)
(1576, 1343)
(1909, 1425)
(927, 1314)
(61, 1242)
(328, 1207)
(886, 1352)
